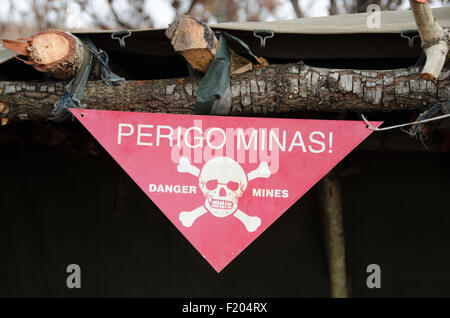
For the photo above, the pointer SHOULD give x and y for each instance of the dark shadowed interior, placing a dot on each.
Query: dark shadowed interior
(59, 208)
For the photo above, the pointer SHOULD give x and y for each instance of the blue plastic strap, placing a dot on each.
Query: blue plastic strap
(107, 76)
(74, 90)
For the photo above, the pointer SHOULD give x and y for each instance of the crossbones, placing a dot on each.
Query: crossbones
(223, 181)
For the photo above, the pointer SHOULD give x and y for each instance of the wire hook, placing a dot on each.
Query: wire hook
(263, 38)
(410, 38)
(121, 36)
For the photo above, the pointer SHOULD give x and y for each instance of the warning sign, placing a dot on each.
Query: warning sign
(222, 181)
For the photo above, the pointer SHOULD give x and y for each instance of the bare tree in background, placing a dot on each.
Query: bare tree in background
(37, 15)
(232, 10)
(298, 11)
(357, 6)
(132, 16)
(350, 6)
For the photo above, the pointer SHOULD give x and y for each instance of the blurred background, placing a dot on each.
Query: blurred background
(24, 17)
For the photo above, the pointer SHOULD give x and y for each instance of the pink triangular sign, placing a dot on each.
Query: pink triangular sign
(222, 180)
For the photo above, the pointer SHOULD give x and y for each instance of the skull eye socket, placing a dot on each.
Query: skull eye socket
(233, 186)
(211, 184)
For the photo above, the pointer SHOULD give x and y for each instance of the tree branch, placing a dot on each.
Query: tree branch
(274, 89)
(118, 20)
(191, 7)
(333, 9)
(434, 39)
(331, 206)
(297, 9)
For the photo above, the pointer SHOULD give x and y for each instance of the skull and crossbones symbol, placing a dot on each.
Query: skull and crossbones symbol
(222, 181)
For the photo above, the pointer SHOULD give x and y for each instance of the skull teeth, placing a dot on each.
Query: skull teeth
(221, 204)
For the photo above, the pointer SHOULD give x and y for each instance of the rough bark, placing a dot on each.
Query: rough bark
(55, 53)
(274, 89)
(434, 39)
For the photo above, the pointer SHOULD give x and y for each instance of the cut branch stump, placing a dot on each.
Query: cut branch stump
(56, 53)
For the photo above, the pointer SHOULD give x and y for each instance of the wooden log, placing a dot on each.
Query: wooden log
(55, 53)
(435, 40)
(194, 40)
(273, 90)
(197, 43)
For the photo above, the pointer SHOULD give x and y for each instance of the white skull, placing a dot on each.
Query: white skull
(223, 181)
